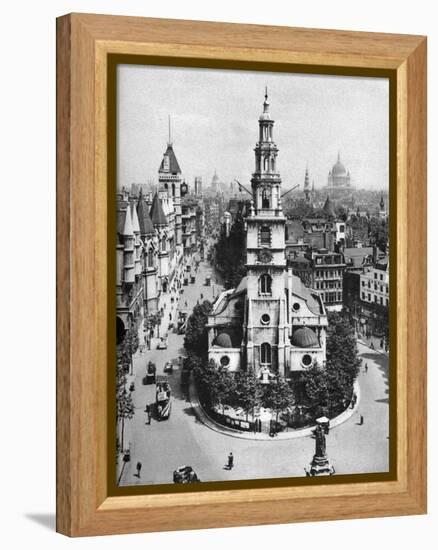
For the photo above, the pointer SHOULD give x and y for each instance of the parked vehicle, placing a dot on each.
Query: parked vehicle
(162, 343)
(185, 474)
(168, 367)
(151, 371)
(163, 400)
(182, 322)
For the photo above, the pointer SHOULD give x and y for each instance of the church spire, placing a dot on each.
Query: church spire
(169, 141)
(266, 182)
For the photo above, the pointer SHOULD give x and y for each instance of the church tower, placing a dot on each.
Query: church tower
(169, 180)
(265, 322)
(307, 186)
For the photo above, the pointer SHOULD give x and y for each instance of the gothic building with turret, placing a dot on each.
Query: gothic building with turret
(157, 235)
(271, 323)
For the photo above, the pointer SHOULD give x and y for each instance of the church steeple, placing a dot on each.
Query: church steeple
(307, 185)
(266, 180)
(265, 222)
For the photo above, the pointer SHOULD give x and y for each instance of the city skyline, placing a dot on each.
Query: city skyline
(312, 124)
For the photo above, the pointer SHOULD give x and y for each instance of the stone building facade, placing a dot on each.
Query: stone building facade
(271, 323)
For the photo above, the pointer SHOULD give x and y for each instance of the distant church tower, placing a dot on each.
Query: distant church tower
(169, 179)
(307, 192)
(382, 212)
(266, 263)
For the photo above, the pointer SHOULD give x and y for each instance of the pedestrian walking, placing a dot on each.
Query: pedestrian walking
(185, 303)
(230, 461)
(148, 412)
(138, 469)
(202, 296)
(361, 420)
(366, 367)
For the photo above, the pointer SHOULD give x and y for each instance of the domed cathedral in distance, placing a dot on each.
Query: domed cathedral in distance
(270, 323)
(339, 186)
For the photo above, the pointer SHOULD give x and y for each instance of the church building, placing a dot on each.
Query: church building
(271, 323)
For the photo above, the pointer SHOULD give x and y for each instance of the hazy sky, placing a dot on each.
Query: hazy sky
(215, 124)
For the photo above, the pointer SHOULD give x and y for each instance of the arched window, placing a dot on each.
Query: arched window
(265, 198)
(163, 244)
(265, 282)
(265, 236)
(150, 258)
(265, 354)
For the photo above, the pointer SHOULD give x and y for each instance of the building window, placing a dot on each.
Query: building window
(363, 296)
(296, 306)
(265, 198)
(306, 360)
(265, 236)
(265, 354)
(265, 284)
(225, 360)
(163, 244)
(265, 319)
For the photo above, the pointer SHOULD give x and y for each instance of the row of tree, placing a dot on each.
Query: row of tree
(321, 389)
(125, 405)
(217, 386)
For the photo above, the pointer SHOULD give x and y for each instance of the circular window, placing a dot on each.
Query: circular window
(296, 306)
(265, 319)
(225, 360)
(306, 360)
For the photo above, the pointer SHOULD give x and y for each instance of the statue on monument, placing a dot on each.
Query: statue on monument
(320, 443)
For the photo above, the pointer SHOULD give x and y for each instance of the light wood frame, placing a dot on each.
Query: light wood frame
(83, 504)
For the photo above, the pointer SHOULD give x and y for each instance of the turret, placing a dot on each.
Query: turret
(128, 248)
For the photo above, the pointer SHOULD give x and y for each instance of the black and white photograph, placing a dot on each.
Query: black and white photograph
(252, 275)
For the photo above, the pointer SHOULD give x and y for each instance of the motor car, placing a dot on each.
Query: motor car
(185, 474)
(150, 377)
(162, 343)
(168, 367)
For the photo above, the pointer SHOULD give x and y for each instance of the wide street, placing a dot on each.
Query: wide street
(163, 446)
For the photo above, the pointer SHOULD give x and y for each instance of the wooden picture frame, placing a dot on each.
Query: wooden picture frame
(84, 43)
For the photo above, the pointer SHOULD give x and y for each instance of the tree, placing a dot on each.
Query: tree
(195, 339)
(224, 387)
(378, 233)
(130, 344)
(247, 391)
(124, 403)
(315, 388)
(343, 364)
(215, 384)
(278, 396)
(327, 387)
